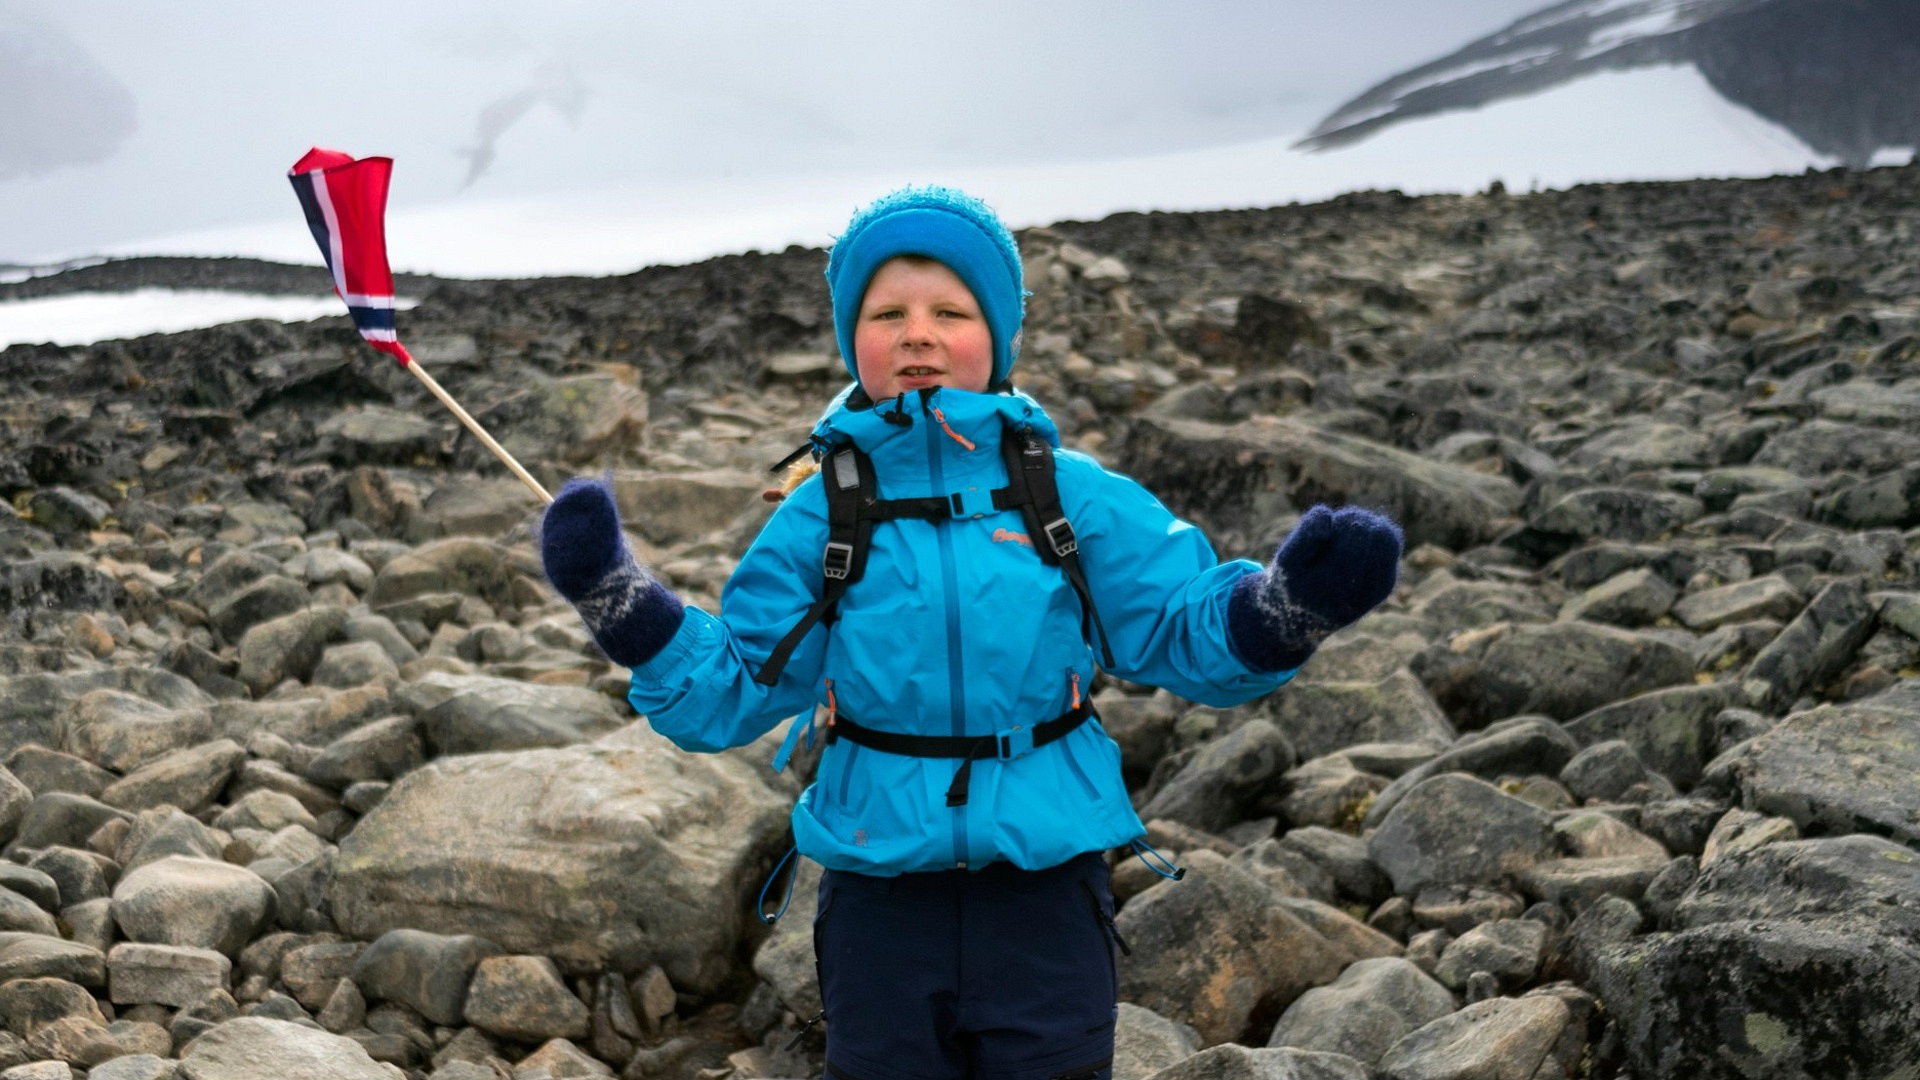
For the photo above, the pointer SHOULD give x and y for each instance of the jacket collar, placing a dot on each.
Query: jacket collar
(975, 417)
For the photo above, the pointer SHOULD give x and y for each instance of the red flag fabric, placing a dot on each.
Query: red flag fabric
(345, 200)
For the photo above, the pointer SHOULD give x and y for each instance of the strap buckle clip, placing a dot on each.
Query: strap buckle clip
(1013, 742)
(838, 560)
(1060, 535)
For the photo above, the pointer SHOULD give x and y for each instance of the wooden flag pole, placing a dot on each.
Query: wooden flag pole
(345, 202)
(478, 431)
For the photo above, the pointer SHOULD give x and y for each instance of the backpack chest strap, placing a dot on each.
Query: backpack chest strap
(852, 510)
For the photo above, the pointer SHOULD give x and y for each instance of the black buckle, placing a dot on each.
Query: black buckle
(1060, 535)
(838, 560)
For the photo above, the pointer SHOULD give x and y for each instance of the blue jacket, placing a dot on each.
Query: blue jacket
(956, 628)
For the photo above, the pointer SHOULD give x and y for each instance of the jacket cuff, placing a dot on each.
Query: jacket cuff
(689, 642)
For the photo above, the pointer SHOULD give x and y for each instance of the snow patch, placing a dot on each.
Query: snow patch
(84, 318)
(1657, 24)
(1519, 62)
(1595, 9)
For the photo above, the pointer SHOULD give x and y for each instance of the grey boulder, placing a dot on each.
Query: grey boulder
(619, 854)
(251, 1047)
(1214, 949)
(1234, 1062)
(1365, 1011)
(1144, 1042)
(1496, 1039)
(1814, 647)
(524, 998)
(1565, 669)
(1320, 717)
(469, 714)
(1457, 829)
(1837, 768)
(199, 903)
(1213, 789)
(121, 731)
(428, 973)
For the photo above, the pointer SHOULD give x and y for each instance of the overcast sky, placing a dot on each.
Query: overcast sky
(124, 122)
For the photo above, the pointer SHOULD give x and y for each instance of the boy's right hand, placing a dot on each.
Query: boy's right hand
(630, 614)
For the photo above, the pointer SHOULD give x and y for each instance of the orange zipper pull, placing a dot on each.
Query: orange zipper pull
(941, 419)
(1076, 689)
(831, 707)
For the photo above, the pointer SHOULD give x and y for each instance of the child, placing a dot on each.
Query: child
(967, 793)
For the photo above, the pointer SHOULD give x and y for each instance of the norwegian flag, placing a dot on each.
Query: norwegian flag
(346, 204)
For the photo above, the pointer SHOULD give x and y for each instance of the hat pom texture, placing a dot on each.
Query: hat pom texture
(940, 223)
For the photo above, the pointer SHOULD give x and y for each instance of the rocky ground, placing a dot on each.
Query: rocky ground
(308, 774)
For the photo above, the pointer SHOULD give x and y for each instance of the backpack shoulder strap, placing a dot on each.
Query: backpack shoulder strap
(848, 478)
(1031, 488)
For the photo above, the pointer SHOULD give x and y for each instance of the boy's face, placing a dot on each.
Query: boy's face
(920, 326)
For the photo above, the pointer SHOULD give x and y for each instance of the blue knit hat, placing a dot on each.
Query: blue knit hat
(938, 223)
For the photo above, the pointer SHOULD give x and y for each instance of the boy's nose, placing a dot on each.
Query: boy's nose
(918, 331)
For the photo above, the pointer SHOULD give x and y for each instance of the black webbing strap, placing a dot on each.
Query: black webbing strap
(852, 509)
(1030, 486)
(845, 472)
(931, 508)
(851, 512)
(1004, 745)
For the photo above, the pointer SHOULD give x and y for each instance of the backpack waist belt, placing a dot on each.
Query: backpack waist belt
(1003, 745)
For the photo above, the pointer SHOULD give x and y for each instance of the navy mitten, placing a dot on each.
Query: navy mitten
(630, 614)
(1334, 567)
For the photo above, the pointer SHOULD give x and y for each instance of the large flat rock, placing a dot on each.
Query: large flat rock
(251, 1046)
(1561, 670)
(1795, 958)
(1866, 877)
(1322, 716)
(465, 714)
(1775, 998)
(34, 703)
(622, 853)
(1234, 481)
(1837, 768)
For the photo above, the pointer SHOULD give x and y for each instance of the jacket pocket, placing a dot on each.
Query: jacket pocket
(1079, 772)
(1109, 935)
(843, 786)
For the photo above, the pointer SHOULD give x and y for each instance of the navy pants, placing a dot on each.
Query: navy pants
(999, 974)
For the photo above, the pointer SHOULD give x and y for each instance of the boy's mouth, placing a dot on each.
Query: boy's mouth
(918, 371)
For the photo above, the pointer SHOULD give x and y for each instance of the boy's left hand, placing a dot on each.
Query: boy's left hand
(1334, 567)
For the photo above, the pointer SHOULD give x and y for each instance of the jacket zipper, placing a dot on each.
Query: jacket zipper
(950, 587)
(1066, 750)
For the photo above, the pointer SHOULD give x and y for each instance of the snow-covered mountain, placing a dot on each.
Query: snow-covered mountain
(1842, 75)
